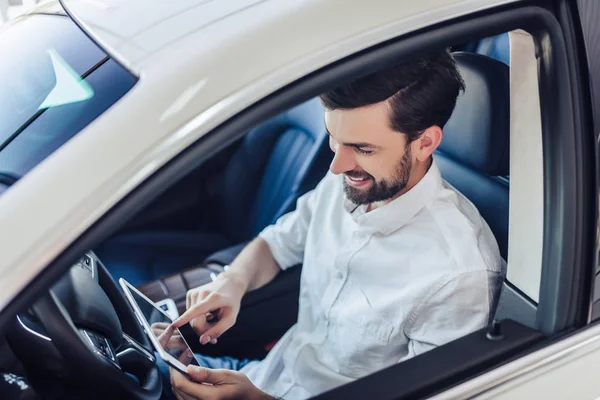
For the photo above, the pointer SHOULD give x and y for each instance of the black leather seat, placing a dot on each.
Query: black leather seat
(474, 153)
(474, 158)
(275, 163)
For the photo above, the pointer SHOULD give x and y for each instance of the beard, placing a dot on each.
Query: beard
(381, 190)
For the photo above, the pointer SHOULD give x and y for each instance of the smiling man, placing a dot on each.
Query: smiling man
(395, 261)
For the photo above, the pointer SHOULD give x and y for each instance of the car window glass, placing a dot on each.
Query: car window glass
(55, 84)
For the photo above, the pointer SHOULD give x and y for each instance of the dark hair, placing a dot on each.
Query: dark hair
(421, 93)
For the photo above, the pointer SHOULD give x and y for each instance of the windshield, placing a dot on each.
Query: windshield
(54, 82)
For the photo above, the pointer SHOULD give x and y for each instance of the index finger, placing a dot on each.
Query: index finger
(159, 325)
(164, 337)
(206, 305)
(186, 356)
(158, 330)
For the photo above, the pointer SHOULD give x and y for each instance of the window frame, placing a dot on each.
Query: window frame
(583, 33)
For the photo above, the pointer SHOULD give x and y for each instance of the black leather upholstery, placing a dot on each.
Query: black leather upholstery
(489, 194)
(477, 134)
(276, 162)
(288, 155)
(473, 156)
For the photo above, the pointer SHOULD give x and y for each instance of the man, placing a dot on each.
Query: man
(395, 261)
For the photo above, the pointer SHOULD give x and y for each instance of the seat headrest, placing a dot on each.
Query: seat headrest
(477, 134)
(308, 117)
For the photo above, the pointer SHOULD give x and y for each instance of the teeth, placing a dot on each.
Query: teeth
(357, 179)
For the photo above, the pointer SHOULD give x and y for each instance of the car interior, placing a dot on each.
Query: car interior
(196, 228)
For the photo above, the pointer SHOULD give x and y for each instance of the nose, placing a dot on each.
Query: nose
(343, 161)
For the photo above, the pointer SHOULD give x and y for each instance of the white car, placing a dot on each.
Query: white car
(197, 120)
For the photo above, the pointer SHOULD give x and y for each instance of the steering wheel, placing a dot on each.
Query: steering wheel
(90, 337)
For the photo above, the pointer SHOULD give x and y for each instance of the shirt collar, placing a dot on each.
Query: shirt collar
(395, 214)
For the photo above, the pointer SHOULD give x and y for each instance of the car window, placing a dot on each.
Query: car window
(54, 85)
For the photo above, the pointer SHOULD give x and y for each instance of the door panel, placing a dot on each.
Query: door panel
(429, 373)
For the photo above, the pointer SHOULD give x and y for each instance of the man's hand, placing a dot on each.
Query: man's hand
(167, 336)
(221, 297)
(214, 384)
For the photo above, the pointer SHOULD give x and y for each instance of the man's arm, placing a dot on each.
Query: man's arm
(278, 246)
(254, 266)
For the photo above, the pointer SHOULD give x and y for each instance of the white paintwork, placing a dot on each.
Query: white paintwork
(156, 25)
(3, 11)
(566, 369)
(525, 240)
(8, 12)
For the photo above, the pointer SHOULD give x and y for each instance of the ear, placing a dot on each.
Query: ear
(426, 144)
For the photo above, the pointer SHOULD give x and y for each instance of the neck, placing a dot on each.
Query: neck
(416, 174)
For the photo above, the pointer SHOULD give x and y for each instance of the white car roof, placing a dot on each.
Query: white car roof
(199, 63)
(134, 29)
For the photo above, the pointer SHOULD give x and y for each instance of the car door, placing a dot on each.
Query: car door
(490, 356)
(566, 368)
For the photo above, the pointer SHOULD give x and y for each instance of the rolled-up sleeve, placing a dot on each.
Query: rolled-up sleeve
(287, 237)
(457, 307)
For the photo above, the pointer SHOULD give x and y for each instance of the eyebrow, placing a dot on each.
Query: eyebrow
(359, 145)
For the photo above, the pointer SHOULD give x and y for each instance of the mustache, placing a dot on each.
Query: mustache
(358, 175)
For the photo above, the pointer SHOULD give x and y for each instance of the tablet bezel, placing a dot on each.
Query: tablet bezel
(168, 358)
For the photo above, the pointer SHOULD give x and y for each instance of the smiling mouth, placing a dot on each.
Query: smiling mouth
(357, 181)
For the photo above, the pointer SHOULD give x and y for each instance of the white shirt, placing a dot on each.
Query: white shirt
(377, 287)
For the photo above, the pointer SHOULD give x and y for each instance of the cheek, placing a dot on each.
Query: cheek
(378, 167)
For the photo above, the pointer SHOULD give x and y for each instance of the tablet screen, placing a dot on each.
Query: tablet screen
(170, 339)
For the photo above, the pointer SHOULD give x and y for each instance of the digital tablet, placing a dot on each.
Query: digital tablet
(169, 343)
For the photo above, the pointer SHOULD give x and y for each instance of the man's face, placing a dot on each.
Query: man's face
(375, 160)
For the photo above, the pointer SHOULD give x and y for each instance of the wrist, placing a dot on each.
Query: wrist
(265, 396)
(237, 280)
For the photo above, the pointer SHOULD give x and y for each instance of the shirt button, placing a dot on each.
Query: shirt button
(339, 275)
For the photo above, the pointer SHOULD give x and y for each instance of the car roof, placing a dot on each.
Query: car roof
(134, 31)
(199, 63)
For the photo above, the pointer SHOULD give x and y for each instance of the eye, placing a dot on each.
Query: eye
(361, 151)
